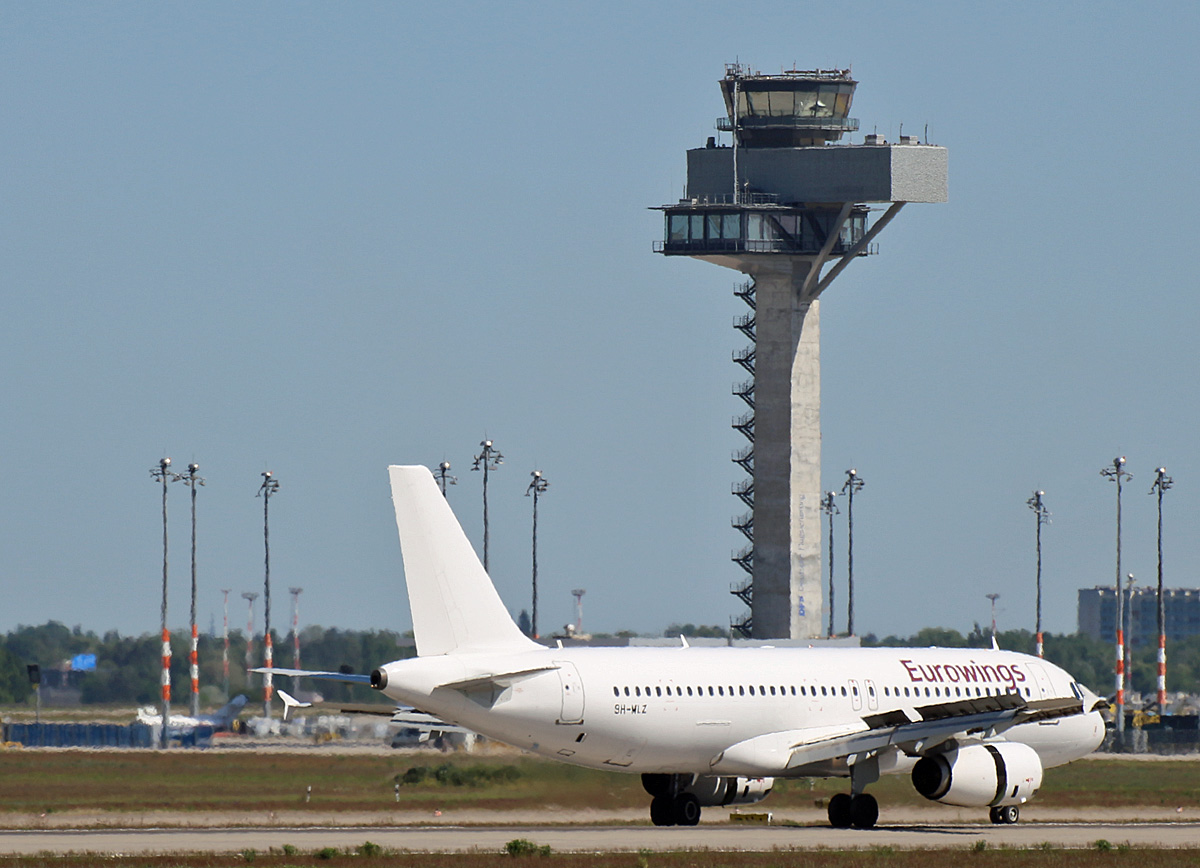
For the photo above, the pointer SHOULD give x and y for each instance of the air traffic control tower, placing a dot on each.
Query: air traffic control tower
(787, 204)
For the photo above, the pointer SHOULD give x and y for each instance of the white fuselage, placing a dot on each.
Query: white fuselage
(675, 710)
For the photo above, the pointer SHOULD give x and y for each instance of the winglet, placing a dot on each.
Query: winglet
(290, 703)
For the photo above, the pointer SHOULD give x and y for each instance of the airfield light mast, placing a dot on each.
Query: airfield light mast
(269, 486)
(578, 595)
(225, 637)
(296, 592)
(191, 480)
(443, 476)
(1118, 474)
(788, 203)
(163, 473)
(249, 597)
(1129, 621)
(488, 459)
(1162, 483)
(1043, 517)
(854, 483)
(537, 486)
(830, 509)
(993, 598)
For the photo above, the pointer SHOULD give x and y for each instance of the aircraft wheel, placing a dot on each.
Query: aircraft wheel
(1010, 814)
(864, 811)
(839, 811)
(662, 811)
(687, 810)
(994, 816)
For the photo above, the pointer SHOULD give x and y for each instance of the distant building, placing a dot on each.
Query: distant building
(1181, 608)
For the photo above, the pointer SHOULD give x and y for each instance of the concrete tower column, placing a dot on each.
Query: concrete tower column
(788, 599)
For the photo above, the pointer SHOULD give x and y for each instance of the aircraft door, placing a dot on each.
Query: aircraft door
(572, 693)
(855, 696)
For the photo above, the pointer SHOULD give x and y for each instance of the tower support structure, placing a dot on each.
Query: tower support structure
(786, 204)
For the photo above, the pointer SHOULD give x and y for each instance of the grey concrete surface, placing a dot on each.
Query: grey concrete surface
(602, 838)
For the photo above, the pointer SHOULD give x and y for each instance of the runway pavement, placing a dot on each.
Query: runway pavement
(716, 836)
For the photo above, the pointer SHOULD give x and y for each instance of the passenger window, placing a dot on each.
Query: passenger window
(762, 691)
(616, 692)
(772, 689)
(854, 690)
(626, 691)
(751, 689)
(906, 691)
(710, 691)
(741, 690)
(926, 691)
(823, 690)
(843, 691)
(637, 691)
(793, 690)
(721, 691)
(658, 691)
(689, 691)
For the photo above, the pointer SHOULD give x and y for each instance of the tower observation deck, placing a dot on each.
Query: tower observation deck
(786, 203)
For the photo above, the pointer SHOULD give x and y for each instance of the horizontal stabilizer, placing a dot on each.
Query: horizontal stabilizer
(351, 677)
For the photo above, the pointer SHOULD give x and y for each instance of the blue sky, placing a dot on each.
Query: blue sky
(321, 238)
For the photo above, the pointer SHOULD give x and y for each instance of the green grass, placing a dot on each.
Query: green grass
(126, 781)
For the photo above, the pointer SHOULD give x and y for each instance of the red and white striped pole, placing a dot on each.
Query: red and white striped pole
(192, 480)
(163, 474)
(1118, 474)
(225, 635)
(296, 592)
(1161, 483)
(269, 486)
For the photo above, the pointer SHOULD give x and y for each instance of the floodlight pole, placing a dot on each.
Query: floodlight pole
(1129, 620)
(225, 636)
(854, 483)
(1043, 516)
(1162, 482)
(191, 481)
(249, 597)
(488, 459)
(162, 473)
(269, 486)
(537, 486)
(1118, 474)
(443, 476)
(295, 592)
(830, 509)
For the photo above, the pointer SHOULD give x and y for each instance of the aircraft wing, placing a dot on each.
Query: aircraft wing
(783, 752)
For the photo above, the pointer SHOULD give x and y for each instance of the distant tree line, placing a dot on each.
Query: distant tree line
(128, 668)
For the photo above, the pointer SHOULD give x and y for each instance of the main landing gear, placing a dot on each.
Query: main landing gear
(846, 810)
(670, 806)
(1005, 814)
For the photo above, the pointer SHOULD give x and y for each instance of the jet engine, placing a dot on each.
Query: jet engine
(711, 790)
(977, 775)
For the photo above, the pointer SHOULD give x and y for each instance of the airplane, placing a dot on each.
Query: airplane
(185, 726)
(715, 726)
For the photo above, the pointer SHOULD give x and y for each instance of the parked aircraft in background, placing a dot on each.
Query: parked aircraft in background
(416, 727)
(185, 726)
(715, 726)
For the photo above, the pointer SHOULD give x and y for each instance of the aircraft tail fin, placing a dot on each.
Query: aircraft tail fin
(454, 604)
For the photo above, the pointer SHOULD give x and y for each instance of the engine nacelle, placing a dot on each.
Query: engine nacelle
(710, 790)
(980, 774)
